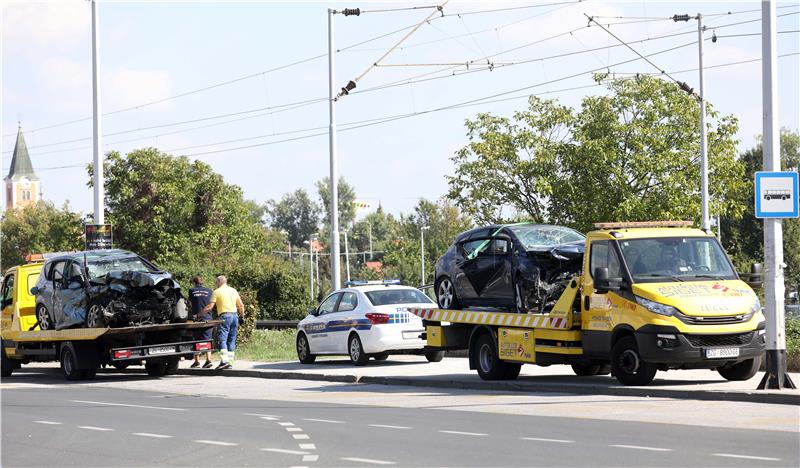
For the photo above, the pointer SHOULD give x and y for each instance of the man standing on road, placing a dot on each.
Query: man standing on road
(228, 302)
(200, 296)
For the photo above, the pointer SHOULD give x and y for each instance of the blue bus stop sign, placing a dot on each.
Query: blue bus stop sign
(777, 194)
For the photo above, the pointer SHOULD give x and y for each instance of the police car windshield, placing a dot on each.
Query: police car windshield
(101, 268)
(397, 296)
(676, 259)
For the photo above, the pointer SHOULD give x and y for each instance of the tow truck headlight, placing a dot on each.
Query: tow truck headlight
(656, 307)
(756, 307)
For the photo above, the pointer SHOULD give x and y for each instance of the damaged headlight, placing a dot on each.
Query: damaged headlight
(656, 307)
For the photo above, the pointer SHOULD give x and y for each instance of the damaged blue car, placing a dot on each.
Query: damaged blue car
(105, 288)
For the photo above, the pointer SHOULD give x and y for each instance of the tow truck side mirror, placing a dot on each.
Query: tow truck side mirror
(604, 284)
(34, 290)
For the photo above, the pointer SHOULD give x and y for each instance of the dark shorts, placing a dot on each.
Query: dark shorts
(206, 334)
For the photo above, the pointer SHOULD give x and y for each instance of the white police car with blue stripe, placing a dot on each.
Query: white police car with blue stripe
(366, 319)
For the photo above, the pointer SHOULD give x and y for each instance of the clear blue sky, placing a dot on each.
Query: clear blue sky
(156, 50)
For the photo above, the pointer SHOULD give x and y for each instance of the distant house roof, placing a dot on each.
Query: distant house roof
(21, 162)
(375, 266)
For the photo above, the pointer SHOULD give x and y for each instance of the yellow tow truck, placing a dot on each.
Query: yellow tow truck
(81, 351)
(651, 296)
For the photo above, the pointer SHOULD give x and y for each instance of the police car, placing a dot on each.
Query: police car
(365, 319)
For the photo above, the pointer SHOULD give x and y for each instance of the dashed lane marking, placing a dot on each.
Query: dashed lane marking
(290, 452)
(369, 460)
(127, 406)
(464, 433)
(52, 423)
(310, 457)
(268, 418)
(95, 428)
(308, 446)
(261, 415)
(746, 457)
(300, 436)
(216, 442)
(388, 426)
(324, 421)
(285, 424)
(155, 436)
(639, 447)
(294, 429)
(538, 439)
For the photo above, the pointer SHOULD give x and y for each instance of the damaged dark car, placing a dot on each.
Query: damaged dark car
(105, 288)
(524, 267)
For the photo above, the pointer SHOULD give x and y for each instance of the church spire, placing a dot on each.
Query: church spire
(21, 162)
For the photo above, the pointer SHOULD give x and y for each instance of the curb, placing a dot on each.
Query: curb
(755, 396)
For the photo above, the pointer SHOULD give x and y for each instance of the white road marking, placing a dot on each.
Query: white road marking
(54, 423)
(638, 447)
(128, 406)
(537, 439)
(300, 436)
(286, 424)
(294, 429)
(262, 415)
(95, 428)
(156, 436)
(387, 426)
(368, 460)
(324, 421)
(216, 442)
(290, 452)
(746, 457)
(298, 467)
(308, 446)
(464, 433)
(268, 418)
(310, 457)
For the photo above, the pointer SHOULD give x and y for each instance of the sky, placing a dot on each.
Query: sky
(220, 82)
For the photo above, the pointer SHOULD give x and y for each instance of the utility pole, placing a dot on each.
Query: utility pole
(99, 179)
(346, 255)
(370, 240)
(422, 252)
(334, 173)
(310, 243)
(775, 376)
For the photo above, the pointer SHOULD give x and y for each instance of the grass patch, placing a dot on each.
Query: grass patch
(269, 345)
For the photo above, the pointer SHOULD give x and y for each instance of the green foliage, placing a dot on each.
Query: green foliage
(380, 225)
(346, 195)
(36, 229)
(269, 346)
(296, 214)
(247, 321)
(630, 155)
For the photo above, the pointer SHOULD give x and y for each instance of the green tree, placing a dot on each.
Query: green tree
(38, 228)
(629, 155)
(346, 195)
(296, 214)
(378, 225)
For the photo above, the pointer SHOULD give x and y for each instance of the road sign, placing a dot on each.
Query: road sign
(99, 236)
(777, 194)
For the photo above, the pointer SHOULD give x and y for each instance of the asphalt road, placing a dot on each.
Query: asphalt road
(84, 425)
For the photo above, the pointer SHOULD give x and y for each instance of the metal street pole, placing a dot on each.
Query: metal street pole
(311, 266)
(705, 223)
(346, 255)
(334, 176)
(370, 240)
(775, 376)
(99, 180)
(422, 252)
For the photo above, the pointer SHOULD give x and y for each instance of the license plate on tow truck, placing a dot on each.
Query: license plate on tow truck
(161, 350)
(722, 353)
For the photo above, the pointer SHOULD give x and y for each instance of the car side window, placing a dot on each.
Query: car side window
(48, 270)
(474, 248)
(8, 289)
(328, 304)
(74, 270)
(348, 302)
(58, 272)
(500, 246)
(603, 255)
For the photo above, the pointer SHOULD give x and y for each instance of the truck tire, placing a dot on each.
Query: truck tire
(121, 365)
(380, 356)
(155, 368)
(446, 296)
(511, 371)
(8, 365)
(744, 370)
(586, 370)
(69, 363)
(356, 351)
(304, 350)
(171, 366)
(627, 364)
(434, 356)
(490, 367)
(89, 374)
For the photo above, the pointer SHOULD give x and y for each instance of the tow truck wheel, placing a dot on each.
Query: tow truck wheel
(586, 370)
(8, 365)
(511, 371)
(490, 367)
(304, 350)
(434, 356)
(171, 366)
(356, 351)
(155, 368)
(446, 294)
(627, 364)
(43, 317)
(380, 356)
(69, 363)
(744, 370)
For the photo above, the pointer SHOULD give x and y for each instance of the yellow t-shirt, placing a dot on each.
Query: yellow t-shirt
(224, 298)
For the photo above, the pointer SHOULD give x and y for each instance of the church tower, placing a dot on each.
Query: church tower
(22, 184)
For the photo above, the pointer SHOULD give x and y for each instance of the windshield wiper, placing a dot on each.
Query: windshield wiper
(708, 276)
(653, 275)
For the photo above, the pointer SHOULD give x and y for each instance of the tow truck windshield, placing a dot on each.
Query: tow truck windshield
(676, 259)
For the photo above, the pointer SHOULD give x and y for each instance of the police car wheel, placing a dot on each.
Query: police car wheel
(356, 351)
(304, 350)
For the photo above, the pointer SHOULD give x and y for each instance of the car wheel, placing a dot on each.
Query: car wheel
(380, 356)
(94, 316)
(434, 356)
(744, 370)
(304, 350)
(520, 300)
(43, 317)
(356, 351)
(446, 294)
(627, 364)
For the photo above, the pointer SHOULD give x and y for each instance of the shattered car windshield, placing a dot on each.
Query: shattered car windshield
(100, 268)
(676, 259)
(538, 236)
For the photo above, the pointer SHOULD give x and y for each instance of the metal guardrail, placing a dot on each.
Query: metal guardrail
(276, 324)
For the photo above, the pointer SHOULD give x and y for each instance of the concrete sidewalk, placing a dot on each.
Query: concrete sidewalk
(455, 373)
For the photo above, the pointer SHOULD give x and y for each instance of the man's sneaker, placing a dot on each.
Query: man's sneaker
(208, 365)
(195, 364)
(223, 366)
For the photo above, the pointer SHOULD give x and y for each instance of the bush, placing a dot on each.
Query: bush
(793, 343)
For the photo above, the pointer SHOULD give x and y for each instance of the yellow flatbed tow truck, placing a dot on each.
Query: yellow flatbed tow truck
(651, 296)
(81, 351)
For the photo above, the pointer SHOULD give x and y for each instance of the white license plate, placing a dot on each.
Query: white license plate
(161, 350)
(722, 353)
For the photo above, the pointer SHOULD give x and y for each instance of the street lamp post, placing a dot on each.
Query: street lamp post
(310, 243)
(347, 255)
(334, 174)
(422, 251)
(97, 133)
